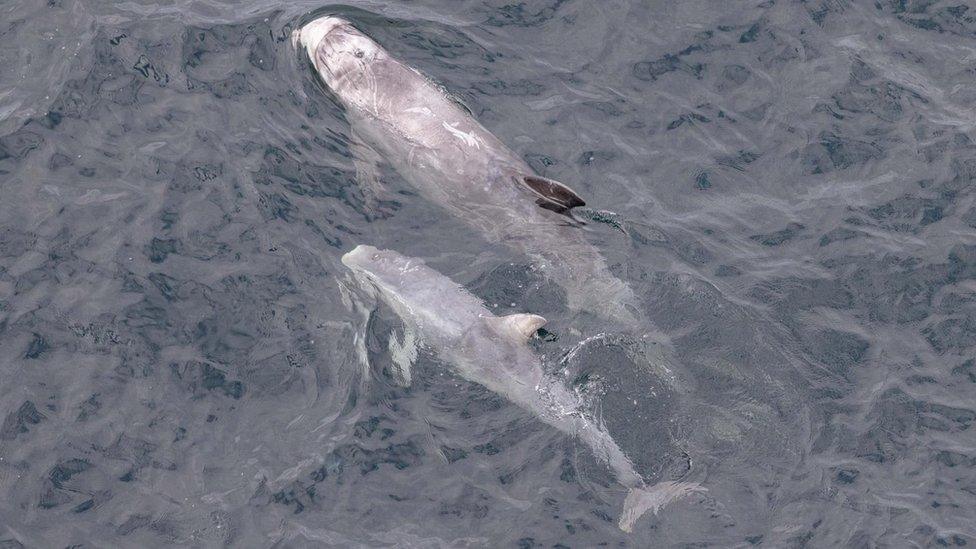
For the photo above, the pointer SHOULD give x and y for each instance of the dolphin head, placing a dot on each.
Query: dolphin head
(337, 49)
(366, 259)
(386, 269)
(450, 316)
(410, 287)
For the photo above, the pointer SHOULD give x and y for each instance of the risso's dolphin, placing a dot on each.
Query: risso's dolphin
(437, 146)
(493, 352)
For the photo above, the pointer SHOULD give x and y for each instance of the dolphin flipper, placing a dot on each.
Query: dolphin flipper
(367, 164)
(404, 355)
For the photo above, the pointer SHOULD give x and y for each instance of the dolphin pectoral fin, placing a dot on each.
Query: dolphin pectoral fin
(553, 192)
(520, 326)
(367, 164)
(404, 355)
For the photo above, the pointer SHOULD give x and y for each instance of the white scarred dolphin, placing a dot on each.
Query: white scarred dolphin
(452, 160)
(492, 351)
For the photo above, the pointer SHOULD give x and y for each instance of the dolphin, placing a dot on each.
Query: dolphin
(492, 351)
(439, 148)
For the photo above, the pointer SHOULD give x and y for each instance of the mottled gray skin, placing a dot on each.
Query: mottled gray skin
(460, 328)
(454, 161)
(484, 349)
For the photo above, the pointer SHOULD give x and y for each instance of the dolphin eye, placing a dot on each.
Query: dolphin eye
(359, 53)
(376, 256)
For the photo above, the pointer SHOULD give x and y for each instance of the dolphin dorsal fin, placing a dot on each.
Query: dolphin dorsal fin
(519, 326)
(554, 192)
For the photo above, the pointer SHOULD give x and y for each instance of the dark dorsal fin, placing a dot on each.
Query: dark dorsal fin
(561, 196)
(552, 206)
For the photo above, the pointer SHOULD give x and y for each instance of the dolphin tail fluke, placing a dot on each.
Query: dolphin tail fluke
(652, 498)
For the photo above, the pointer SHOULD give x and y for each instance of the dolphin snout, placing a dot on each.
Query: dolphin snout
(312, 33)
(358, 256)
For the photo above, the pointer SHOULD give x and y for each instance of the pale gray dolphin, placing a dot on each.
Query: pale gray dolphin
(452, 160)
(493, 352)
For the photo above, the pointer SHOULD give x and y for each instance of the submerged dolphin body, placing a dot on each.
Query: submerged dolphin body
(447, 155)
(493, 352)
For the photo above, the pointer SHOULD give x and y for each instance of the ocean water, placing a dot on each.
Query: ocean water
(787, 185)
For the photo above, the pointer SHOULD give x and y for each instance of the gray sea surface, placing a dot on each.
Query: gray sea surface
(787, 185)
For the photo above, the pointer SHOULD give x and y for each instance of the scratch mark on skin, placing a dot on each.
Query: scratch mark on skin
(420, 110)
(469, 139)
